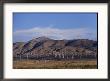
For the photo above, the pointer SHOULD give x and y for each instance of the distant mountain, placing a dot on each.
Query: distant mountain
(46, 48)
(82, 43)
(39, 39)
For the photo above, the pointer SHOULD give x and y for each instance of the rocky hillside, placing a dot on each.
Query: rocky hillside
(44, 48)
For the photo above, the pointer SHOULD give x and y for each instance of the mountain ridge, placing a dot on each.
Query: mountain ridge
(54, 49)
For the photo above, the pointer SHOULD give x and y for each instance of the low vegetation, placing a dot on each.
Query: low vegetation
(52, 64)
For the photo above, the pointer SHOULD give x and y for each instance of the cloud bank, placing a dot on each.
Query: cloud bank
(54, 33)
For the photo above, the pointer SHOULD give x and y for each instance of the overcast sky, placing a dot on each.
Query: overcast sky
(27, 26)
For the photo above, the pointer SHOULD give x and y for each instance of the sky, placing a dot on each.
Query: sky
(58, 26)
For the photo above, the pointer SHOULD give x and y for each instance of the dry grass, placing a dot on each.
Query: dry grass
(51, 64)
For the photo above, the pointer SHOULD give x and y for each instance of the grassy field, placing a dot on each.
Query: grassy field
(51, 64)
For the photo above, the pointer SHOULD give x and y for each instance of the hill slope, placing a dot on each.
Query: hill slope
(44, 48)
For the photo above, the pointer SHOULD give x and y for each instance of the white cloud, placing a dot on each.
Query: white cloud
(54, 33)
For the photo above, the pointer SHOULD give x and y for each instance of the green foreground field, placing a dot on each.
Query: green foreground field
(52, 64)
